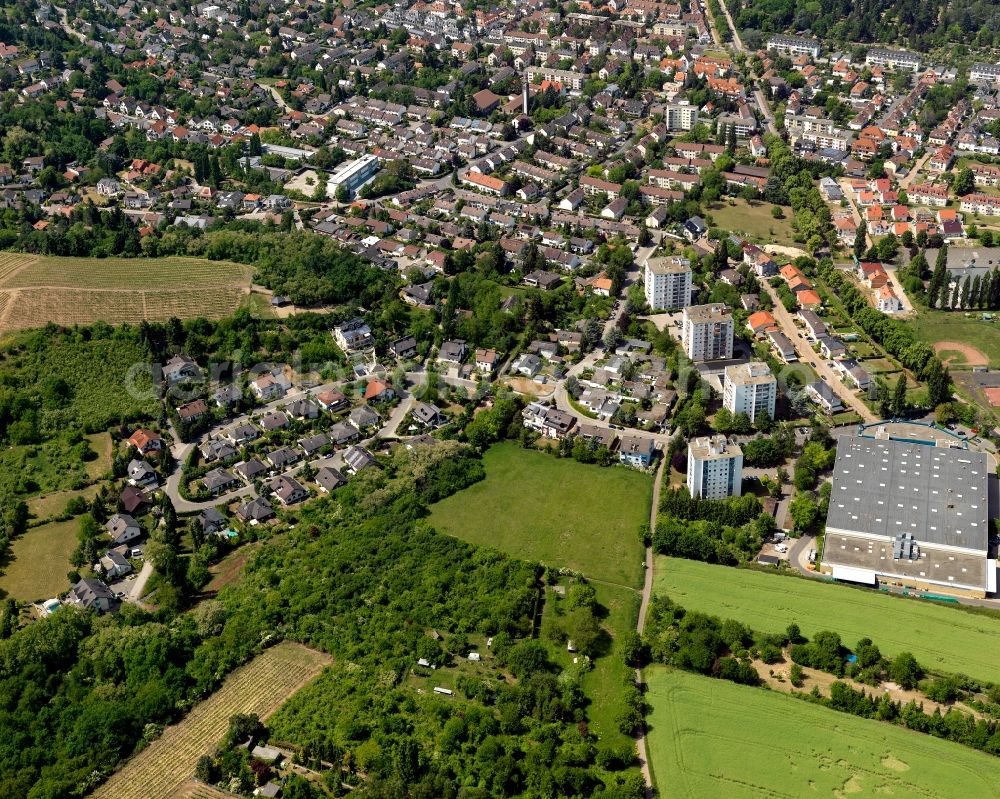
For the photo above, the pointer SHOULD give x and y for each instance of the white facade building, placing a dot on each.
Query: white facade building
(793, 45)
(680, 116)
(708, 332)
(667, 283)
(715, 468)
(750, 388)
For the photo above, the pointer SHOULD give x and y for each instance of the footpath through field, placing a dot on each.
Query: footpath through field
(261, 687)
(647, 590)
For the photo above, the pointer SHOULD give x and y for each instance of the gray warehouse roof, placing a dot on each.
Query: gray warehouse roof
(888, 488)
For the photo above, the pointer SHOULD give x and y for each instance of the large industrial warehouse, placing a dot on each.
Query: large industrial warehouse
(910, 514)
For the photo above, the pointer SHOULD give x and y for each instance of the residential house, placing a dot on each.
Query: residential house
(140, 473)
(821, 393)
(270, 386)
(122, 528)
(241, 433)
(192, 411)
(378, 391)
(343, 432)
(146, 441)
(217, 481)
(426, 414)
(212, 521)
(133, 498)
(274, 420)
(453, 351)
(114, 564)
(180, 368)
(283, 457)
(637, 451)
(250, 470)
(91, 594)
(255, 511)
(329, 479)
(357, 459)
(404, 348)
(288, 490)
(333, 401)
(364, 417)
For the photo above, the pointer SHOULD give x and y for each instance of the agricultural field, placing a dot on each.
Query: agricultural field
(554, 511)
(35, 290)
(753, 220)
(261, 687)
(944, 327)
(941, 638)
(710, 737)
(39, 561)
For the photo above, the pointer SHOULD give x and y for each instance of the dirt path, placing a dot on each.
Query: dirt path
(647, 590)
(823, 681)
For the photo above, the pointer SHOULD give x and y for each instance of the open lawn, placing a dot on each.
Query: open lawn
(35, 290)
(101, 444)
(753, 220)
(941, 638)
(943, 326)
(39, 561)
(710, 737)
(554, 511)
(48, 506)
(260, 687)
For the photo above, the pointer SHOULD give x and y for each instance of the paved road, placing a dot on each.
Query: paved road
(139, 584)
(821, 366)
(912, 174)
(647, 590)
(758, 94)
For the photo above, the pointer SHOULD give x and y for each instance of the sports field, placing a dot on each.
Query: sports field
(260, 687)
(939, 637)
(554, 511)
(35, 289)
(946, 326)
(710, 737)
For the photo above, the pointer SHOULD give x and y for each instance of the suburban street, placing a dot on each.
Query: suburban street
(805, 352)
(758, 95)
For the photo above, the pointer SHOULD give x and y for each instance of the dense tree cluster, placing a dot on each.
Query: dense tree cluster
(921, 26)
(896, 337)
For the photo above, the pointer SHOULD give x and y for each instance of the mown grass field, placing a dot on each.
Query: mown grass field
(754, 220)
(709, 737)
(934, 326)
(940, 637)
(260, 687)
(554, 511)
(35, 290)
(39, 561)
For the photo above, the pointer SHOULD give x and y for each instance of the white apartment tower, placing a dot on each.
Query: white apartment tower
(749, 388)
(708, 332)
(680, 116)
(668, 283)
(715, 468)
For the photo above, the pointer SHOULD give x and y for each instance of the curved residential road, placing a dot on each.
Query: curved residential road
(647, 590)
